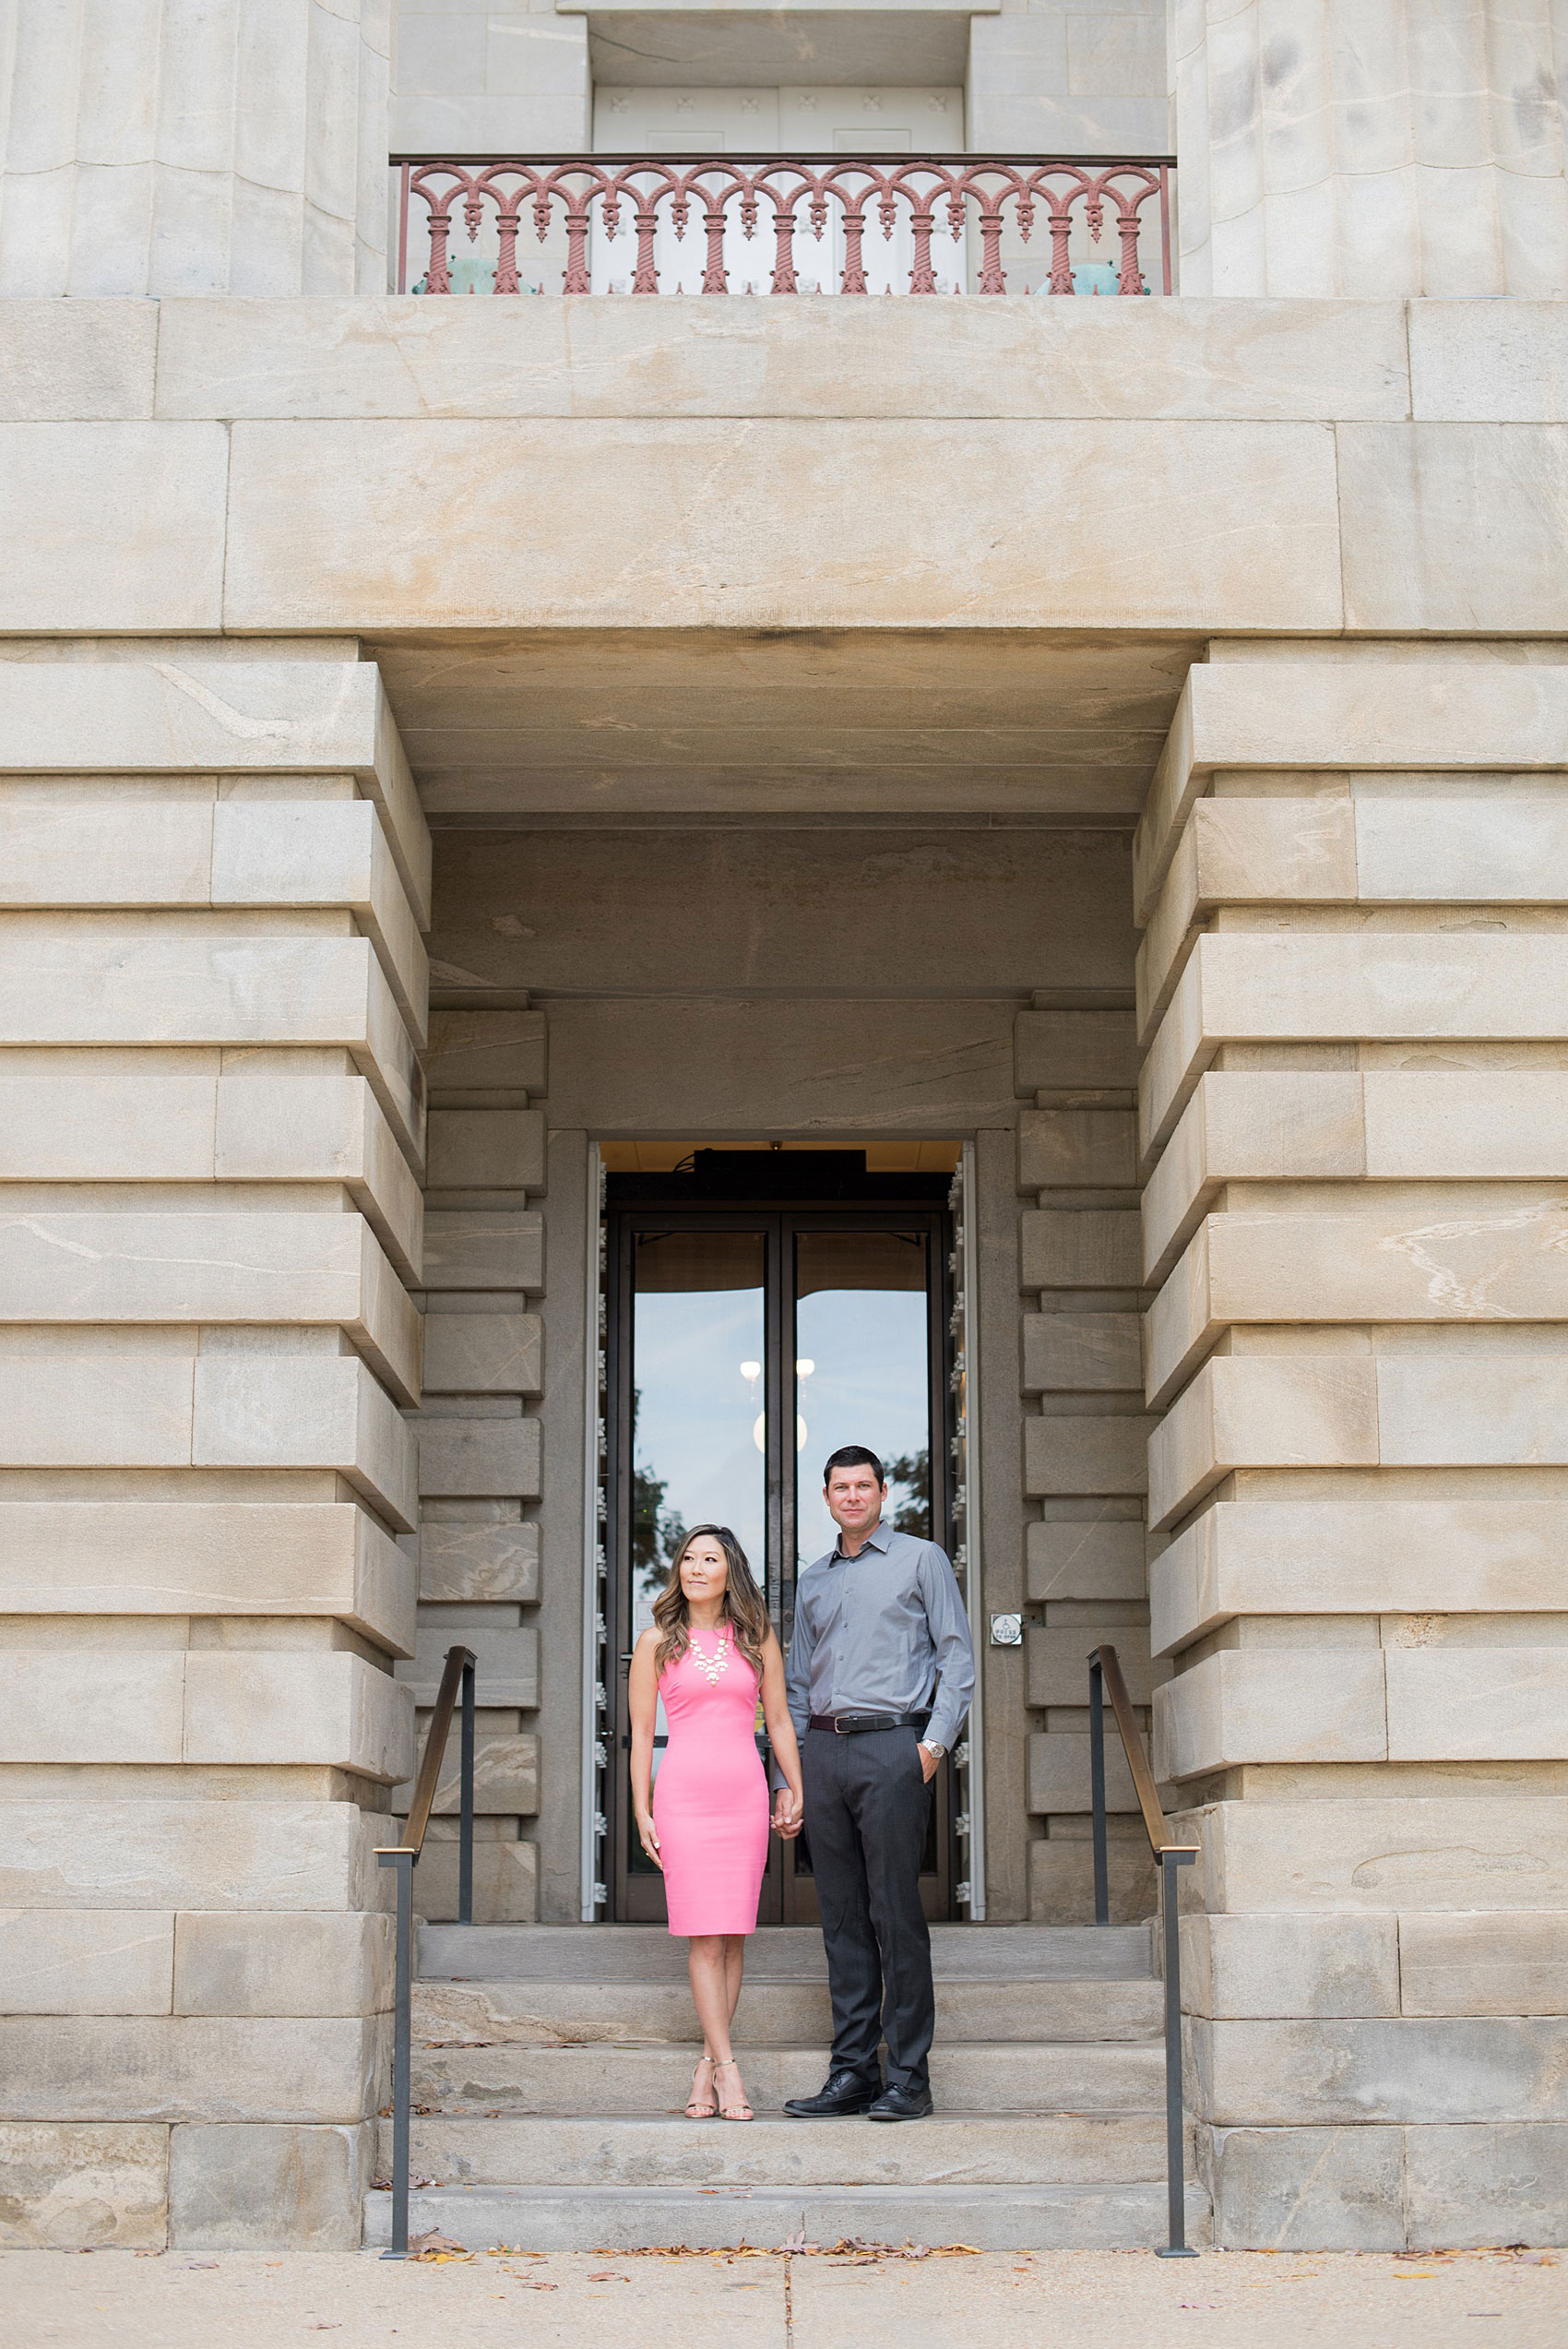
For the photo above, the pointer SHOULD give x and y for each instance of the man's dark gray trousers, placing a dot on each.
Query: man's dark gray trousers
(868, 1809)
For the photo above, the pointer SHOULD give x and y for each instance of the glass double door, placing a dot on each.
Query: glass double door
(744, 1346)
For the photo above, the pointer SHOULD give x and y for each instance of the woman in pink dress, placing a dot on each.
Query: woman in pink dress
(710, 1653)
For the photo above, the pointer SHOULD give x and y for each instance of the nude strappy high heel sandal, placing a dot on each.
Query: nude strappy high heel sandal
(742, 2111)
(695, 2108)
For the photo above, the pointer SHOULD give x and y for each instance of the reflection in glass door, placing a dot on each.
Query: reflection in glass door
(744, 1346)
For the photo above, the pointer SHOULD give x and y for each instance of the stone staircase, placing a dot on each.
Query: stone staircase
(551, 2064)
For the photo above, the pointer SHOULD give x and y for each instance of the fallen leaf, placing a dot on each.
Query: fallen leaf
(434, 2241)
(604, 2276)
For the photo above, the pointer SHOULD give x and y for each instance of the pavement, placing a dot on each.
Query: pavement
(848, 2299)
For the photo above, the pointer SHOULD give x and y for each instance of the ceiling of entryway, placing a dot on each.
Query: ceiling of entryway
(670, 724)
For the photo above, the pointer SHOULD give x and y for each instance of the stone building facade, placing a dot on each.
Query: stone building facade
(448, 748)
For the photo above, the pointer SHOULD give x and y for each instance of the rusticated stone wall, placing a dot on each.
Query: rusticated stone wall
(1353, 870)
(1086, 1437)
(480, 1441)
(212, 983)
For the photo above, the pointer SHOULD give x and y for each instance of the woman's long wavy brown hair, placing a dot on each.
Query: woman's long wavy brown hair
(745, 1609)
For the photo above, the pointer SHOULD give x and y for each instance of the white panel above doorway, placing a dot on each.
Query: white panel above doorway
(876, 120)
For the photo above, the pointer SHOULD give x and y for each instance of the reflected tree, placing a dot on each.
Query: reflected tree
(908, 1494)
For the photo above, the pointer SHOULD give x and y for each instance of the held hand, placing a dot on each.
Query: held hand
(928, 1762)
(788, 1815)
(648, 1836)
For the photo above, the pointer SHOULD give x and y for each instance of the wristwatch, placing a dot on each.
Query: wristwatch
(932, 1749)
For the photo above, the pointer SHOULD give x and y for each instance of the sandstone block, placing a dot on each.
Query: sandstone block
(86, 1961)
(1077, 1149)
(1077, 1455)
(181, 1854)
(1500, 1262)
(506, 1665)
(1058, 1661)
(91, 1705)
(1065, 1050)
(160, 569)
(1322, 1705)
(96, 1410)
(335, 1710)
(1079, 1248)
(506, 1882)
(1062, 1882)
(506, 1775)
(1496, 1965)
(487, 1052)
(1419, 1854)
(1487, 1551)
(306, 1411)
(1290, 987)
(249, 2187)
(325, 852)
(483, 1354)
(81, 2185)
(1472, 1410)
(1242, 851)
(1060, 1773)
(282, 1963)
(206, 1558)
(1497, 2183)
(193, 716)
(1343, 716)
(284, 1117)
(486, 1149)
(1348, 2071)
(61, 361)
(1290, 1966)
(1466, 1123)
(188, 2068)
(1309, 2188)
(76, 847)
(1249, 1127)
(1069, 1352)
(101, 979)
(315, 1269)
(1487, 363)
(479, 1251)
(1204, 552)
(1479, 1703)
(1086, 1558)
(473, 1458)
(479, 1562)
(106, 1115)
(1422, 551)
(1509, 846)
(1260, 1411)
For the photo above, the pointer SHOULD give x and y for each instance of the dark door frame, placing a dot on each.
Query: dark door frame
(788, 1896)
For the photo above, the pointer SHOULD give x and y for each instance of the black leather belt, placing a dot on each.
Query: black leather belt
(856, 1724)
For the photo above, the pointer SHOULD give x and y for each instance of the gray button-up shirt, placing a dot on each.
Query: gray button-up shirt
(882, 1632)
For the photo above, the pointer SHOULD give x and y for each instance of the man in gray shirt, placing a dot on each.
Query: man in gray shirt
(880, 1674)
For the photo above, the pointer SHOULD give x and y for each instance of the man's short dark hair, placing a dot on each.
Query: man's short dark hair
(853, 1456)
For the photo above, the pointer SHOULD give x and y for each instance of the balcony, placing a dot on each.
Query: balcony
(808, 224)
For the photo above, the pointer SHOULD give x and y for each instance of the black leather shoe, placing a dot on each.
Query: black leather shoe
(846, 2092)
(902, 2104)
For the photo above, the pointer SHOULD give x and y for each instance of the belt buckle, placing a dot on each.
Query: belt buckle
(839, 1729)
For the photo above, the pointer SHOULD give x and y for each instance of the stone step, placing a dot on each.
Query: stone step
(1036, 2077)
(646, 2150)
(1111, 2217)
(777, 2014)
(647, 1953)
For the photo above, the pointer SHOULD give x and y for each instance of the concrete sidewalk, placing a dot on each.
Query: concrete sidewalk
(998, 2300)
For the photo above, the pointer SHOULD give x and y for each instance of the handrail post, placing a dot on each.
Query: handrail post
(1097, 1789)
(466, 1815)
(1175, 2133)
(402, 2040)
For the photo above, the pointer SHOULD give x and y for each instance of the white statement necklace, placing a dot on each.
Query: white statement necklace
(711, 1666)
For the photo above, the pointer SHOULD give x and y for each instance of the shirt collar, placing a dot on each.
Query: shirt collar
(877, 1539)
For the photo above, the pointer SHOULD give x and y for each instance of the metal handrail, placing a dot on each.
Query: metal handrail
(404, 1857)
(1105, 1672)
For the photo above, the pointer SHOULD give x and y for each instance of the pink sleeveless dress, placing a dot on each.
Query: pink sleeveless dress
(710, 1803)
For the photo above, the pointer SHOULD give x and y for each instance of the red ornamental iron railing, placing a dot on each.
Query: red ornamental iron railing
(1080, 202)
